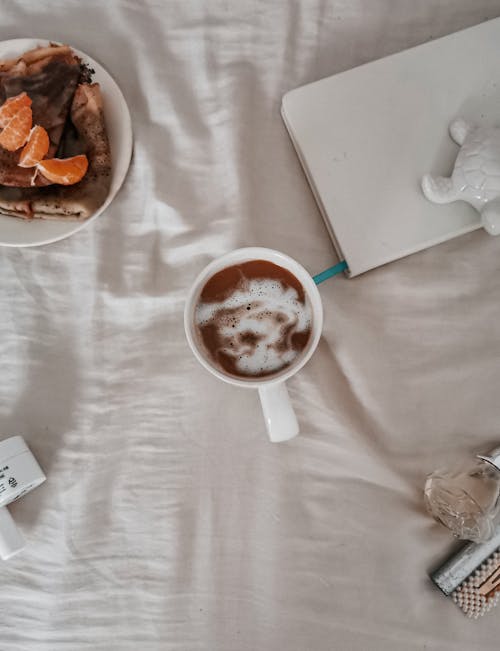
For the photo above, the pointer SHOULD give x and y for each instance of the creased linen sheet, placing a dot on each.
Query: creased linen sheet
(168, 521)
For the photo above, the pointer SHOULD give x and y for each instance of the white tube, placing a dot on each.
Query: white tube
(11, 539)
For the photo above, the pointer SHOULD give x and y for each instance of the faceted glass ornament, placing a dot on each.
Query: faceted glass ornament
(466, 499)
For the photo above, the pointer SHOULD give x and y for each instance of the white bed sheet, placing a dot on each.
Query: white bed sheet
(168, 521)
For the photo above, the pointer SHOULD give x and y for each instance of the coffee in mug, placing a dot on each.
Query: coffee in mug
(253, 319)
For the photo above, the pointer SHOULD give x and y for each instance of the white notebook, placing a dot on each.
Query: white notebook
(366, 136)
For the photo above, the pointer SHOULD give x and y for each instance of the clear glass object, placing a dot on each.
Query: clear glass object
(466, 499)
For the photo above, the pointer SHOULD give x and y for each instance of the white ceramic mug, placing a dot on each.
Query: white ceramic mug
(280, 418)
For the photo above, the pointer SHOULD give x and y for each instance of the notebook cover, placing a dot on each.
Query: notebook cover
(366, 136)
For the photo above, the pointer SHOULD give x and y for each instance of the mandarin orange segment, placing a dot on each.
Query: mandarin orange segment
(65, 171)
(11, 106)
(17, 130)
(36, 147)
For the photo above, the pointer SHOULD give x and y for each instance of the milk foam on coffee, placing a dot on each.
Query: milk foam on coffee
(259, 326)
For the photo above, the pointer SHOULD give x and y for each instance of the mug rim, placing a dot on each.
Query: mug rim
(243, 255)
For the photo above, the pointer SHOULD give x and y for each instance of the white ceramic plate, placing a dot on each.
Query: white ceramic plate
(20, 232)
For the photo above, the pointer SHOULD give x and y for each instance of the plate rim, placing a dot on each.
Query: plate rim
(126, 158)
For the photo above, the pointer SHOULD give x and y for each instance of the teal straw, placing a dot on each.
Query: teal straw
(331, 271)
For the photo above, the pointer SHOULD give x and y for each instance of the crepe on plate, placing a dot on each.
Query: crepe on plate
(71, 110)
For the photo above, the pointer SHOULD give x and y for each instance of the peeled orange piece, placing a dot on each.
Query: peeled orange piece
(17, 130)
(11, 106)
(36, 147)
(64, 171)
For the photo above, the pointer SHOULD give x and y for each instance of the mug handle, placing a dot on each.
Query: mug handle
(281, 421)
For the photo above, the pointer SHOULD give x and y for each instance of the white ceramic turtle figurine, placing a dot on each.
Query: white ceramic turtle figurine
(476, 175)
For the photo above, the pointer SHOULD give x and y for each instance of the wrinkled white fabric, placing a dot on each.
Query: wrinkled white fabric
(168, 521)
